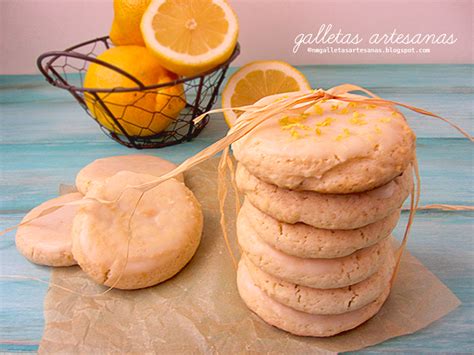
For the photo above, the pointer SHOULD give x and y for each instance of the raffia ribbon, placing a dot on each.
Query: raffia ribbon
(255, 115)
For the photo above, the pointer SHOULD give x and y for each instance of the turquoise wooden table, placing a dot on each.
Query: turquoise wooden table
(45, 138)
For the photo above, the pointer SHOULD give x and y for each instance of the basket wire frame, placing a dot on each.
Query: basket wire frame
(67, 69)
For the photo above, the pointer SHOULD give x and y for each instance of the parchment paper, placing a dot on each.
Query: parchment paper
(200, 311)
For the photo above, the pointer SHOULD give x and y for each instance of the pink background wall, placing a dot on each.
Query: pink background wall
(268, 28)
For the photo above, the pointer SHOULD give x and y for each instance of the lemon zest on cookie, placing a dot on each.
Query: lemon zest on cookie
(287, 121)
(378, 130)
(295, 134)
(327, 122)
(385, 119)
(292, 123)
(346, 133)
(334, 107)
(318, 131)
(358, 121)
(318, 109)
(281, 98)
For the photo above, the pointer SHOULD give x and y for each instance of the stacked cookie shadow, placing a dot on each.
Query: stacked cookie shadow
(323, 189)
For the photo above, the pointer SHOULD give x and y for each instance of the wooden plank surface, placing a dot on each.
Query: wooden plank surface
(45, 138)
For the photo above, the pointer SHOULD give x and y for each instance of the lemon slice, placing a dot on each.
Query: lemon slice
(190, 36)
(259, 79)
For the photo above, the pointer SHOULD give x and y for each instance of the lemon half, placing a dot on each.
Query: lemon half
(190, 36)
(259, 79)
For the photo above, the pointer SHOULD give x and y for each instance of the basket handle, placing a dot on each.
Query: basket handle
(45, 69)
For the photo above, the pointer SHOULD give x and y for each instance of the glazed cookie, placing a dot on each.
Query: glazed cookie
(317, 273)
(305, 241)
(101, 169)
(323, 301)
(47, 240)
(297, 322)
(328, 211)
(333, 147)
(160, 239)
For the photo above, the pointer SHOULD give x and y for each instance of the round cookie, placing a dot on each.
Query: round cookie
(99, 170)
(323, 301)
(300, 323)
(164, 232)
(305, 241)
(317, 273)
(333, 147)
(48, 239)
(327, 211)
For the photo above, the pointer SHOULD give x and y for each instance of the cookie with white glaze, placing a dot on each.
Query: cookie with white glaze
(47, 240)
(332, 147)
(316, 273)
(327, 211)
(323, 301)
(297, 322)
(305, 241)
(152, 246)
(99, 170)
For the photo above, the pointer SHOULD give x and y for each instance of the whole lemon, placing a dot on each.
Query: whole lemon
(140, 113)
(126, 25)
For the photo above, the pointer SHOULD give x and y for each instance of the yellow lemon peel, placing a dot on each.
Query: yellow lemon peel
(358, 121)
(327, 122)
(318, 109)
(295, 134)
(287, 122)
(345, 134)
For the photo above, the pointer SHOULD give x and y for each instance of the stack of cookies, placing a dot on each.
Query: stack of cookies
(323, 191)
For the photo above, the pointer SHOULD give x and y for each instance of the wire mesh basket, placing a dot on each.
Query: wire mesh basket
(156, 128)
